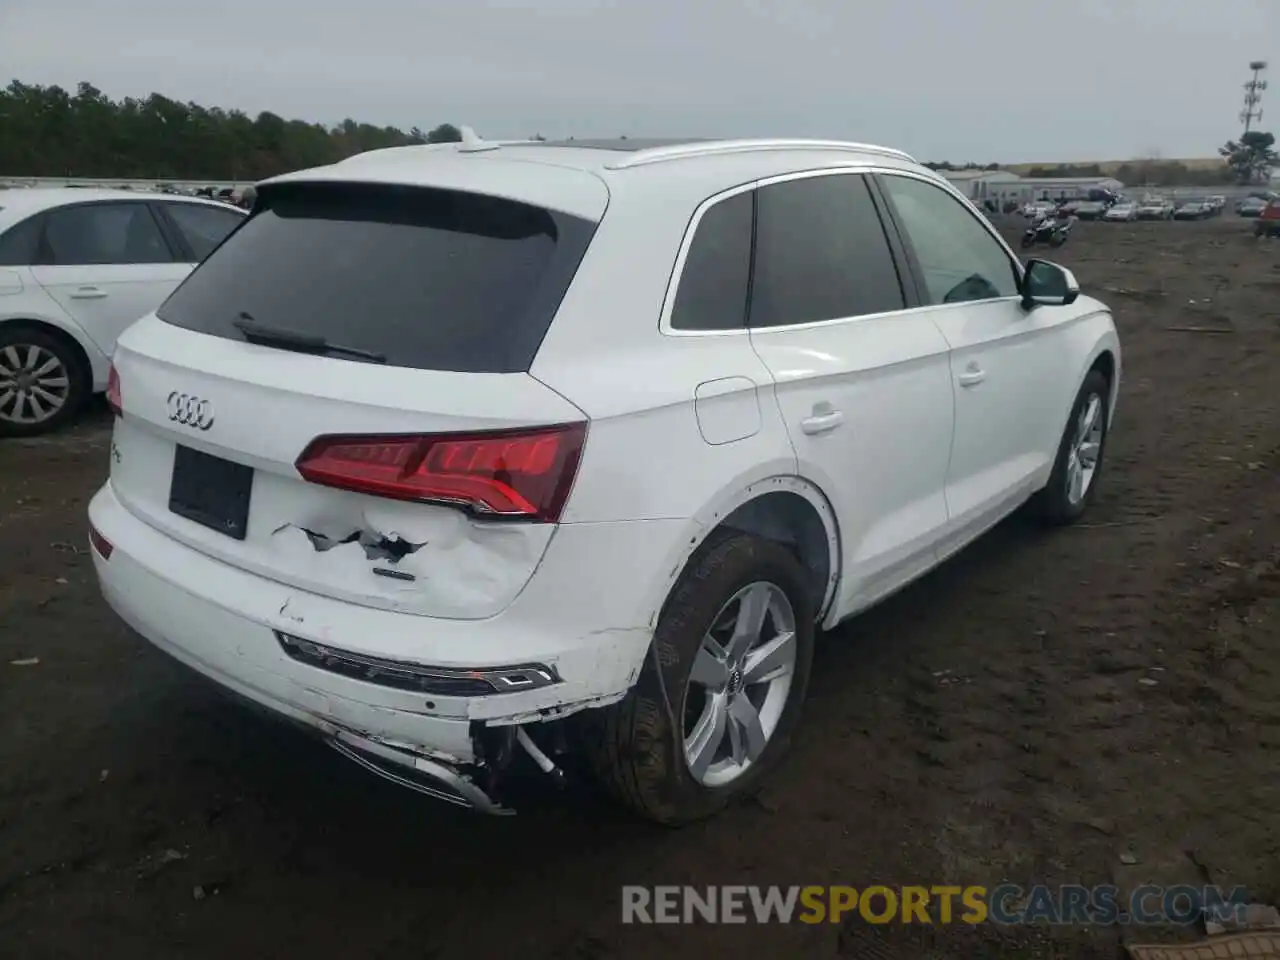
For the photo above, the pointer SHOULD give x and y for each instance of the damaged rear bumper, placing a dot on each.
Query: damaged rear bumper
(437, 780)
(261, 639)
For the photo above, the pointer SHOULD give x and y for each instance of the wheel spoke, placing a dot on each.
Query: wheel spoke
(6, 396)
(709, 669)
(752, 608)
(36, 408)
(1088, 453)
(1075, 481)
(707, 735)
(48, 367)
(746, 735)
(1089, 417)
(33, 357)
(52, 399)
(770, 660)
(9, 360)
(54, 383)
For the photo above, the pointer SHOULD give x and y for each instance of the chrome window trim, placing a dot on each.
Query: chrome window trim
(677, 270)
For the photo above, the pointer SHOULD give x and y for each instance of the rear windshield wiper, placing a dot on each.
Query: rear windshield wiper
(255, 332)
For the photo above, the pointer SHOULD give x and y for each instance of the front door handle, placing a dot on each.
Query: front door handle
(88, 293)
(822, 422)
(972, 377)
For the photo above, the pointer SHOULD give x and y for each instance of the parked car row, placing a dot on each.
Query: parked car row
(1121, 209)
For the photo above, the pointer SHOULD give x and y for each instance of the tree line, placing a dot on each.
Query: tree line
(50, 132)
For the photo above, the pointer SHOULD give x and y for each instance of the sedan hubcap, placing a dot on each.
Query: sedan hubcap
(1086, 448)
(34, 384)
(739, 684)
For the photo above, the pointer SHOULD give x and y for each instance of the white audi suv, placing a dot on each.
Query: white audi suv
(560, 454)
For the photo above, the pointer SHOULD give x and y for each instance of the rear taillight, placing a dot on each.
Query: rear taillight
(523, 473)
(113, 391)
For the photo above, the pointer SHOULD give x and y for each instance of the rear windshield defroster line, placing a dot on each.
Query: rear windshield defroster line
(427, 278)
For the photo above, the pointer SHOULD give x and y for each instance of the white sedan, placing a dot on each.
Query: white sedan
(76, 268)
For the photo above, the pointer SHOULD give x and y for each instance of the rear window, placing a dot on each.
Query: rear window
(432, 279)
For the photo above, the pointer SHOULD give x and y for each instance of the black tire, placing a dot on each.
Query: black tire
(1028, 242)
(21, 335)
(633, 749)
(1055, 505)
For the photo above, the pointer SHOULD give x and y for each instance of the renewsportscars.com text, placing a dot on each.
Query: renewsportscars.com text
(937, 904)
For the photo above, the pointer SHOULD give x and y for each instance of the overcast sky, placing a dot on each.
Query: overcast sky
(1004, 80)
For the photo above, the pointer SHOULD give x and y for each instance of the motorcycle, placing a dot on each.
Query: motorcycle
(1052, 229)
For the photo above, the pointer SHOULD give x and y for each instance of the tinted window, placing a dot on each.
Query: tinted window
(821, 253)
(104, 233)
(713, 285)
(19, 244)
(959, 258)
(202, 227)
(434, 279)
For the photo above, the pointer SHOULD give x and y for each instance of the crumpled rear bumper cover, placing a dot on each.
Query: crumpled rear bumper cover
(431, 777)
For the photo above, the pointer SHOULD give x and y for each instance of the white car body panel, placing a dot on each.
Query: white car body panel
(892, 504)
(683, 429)
(104, 299)
(471, 569)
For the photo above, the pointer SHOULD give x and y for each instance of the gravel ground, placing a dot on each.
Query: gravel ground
(990, 723)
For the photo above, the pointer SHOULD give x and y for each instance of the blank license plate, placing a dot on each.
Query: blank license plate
(211, 491)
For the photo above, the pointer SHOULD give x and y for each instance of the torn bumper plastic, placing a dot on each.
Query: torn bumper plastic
(310, 657)
(432, 778)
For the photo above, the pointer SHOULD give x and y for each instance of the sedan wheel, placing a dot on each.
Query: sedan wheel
(41, 382)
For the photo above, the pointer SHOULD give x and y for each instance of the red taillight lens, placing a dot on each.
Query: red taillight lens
(510, 473)
(100, 543)
(113, 391)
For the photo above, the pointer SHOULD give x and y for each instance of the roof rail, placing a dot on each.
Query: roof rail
(713, 147)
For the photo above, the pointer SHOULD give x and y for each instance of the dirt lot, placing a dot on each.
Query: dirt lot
(988, 724)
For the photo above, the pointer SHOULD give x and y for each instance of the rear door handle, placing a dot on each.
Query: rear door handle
(973, 377)
(88, 293)
(821, 423)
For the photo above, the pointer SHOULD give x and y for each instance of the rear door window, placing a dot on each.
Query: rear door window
(202, 227)
(103, 233)
(821, 253)
(426, 278)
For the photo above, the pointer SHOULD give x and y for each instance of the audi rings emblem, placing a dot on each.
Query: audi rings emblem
(190, 411)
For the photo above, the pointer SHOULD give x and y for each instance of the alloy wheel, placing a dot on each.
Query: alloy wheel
(739, 685)
(34, 384)
(1086, 448)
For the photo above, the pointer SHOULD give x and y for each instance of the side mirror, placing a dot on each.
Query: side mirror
(1046, 284)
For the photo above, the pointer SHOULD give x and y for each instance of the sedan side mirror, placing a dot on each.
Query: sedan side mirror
(1046, 284)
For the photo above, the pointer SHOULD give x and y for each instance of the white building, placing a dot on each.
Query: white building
(1003, 187)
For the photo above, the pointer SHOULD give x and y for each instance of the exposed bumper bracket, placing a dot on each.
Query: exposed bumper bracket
(430, 777)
